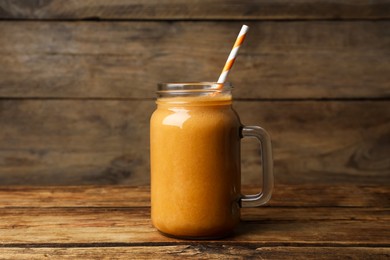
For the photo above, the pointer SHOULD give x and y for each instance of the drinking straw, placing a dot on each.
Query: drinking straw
(233, 54)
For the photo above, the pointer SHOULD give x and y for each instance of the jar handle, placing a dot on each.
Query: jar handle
(249, 201)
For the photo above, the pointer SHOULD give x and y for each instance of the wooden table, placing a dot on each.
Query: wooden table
(90, 222)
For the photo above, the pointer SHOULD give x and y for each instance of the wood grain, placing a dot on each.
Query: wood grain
(77, 79)
(194, 10)
(280, 60)
(112, 228)
(89, 225)
(197, 251)
(74, 142)
(65, 142)
(327, 141)
(248, 215)
(300, 196)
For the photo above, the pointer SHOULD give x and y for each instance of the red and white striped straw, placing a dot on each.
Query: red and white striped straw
(233, 54)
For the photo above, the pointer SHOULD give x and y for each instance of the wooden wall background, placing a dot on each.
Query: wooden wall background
(77, 82)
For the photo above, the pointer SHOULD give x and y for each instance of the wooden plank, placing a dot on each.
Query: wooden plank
(199, 251)
(22, 226)
(248, 215)
(72, 142)
(313, 214)
(301, 196)
(269, 232)
(75, 196)
(280, 60)
(195, 10)
(327, 141)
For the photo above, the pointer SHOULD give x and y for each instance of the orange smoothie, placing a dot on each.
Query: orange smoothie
(195, 166)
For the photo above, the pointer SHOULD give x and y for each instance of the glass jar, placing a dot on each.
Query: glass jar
(195, 161)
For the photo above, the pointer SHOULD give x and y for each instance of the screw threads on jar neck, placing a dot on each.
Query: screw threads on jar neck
(196, 89)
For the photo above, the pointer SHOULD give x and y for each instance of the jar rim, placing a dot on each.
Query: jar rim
(193, 87)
